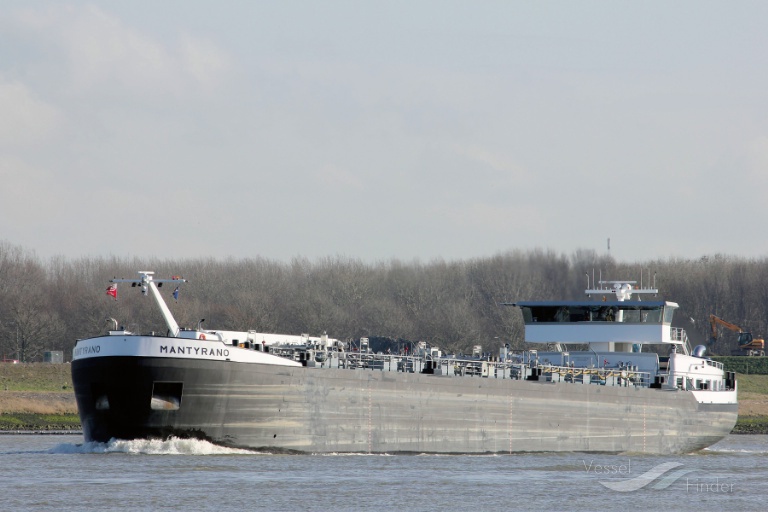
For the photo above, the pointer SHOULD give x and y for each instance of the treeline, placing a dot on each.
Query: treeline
(47, 305)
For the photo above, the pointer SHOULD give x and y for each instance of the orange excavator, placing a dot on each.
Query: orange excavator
(748, 345)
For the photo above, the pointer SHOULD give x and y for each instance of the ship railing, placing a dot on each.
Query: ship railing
(679, 335)
(514, 368)
(624, 377)
(423, 364)
(384, 362)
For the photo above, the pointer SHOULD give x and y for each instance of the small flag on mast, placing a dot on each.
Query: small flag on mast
(112, 290)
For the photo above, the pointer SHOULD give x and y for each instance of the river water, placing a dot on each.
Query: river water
(61, 473)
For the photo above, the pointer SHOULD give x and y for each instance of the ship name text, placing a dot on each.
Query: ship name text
(88, 349)
(197, 351)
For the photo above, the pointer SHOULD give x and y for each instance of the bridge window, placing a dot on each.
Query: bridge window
(597, 313)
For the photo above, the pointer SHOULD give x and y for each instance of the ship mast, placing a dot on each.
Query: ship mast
(622, 289)
(148, 282)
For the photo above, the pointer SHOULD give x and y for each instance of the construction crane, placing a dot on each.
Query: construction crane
(748, 345)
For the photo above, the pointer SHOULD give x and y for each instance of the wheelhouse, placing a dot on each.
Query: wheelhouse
(621, 324)
(659, 312)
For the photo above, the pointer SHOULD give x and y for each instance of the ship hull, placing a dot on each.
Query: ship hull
(325, 410)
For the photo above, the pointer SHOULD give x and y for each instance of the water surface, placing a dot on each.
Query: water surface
(47, 472)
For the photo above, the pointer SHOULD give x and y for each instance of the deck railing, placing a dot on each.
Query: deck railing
(516, 367)
(679, 334)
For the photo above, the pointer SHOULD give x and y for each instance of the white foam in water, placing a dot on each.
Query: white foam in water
(172, 446)
(715, 449)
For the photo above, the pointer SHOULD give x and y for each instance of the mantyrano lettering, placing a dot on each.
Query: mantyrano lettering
(202, 351)
(81, 351)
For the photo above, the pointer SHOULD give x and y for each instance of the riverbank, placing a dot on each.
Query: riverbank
(38, 411)
(39, 397)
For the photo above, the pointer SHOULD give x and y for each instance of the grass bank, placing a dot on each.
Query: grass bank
(10, 422)
(37, 397)
(38, 377)
(753, 404)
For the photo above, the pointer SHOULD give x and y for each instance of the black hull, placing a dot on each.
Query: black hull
(317, 410)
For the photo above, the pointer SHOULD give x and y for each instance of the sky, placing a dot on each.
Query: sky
(410, 130)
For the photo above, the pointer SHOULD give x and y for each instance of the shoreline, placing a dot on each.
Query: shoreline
(751, 425)
(37, 422)
(41, 432)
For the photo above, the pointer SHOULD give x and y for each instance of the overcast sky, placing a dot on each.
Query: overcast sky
(380, 130)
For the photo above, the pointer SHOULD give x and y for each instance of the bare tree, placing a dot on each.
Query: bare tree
(452, 304)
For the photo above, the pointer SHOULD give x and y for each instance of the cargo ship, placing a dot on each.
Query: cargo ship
(607, 374)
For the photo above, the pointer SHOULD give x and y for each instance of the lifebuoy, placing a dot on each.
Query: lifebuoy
(202, 336)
